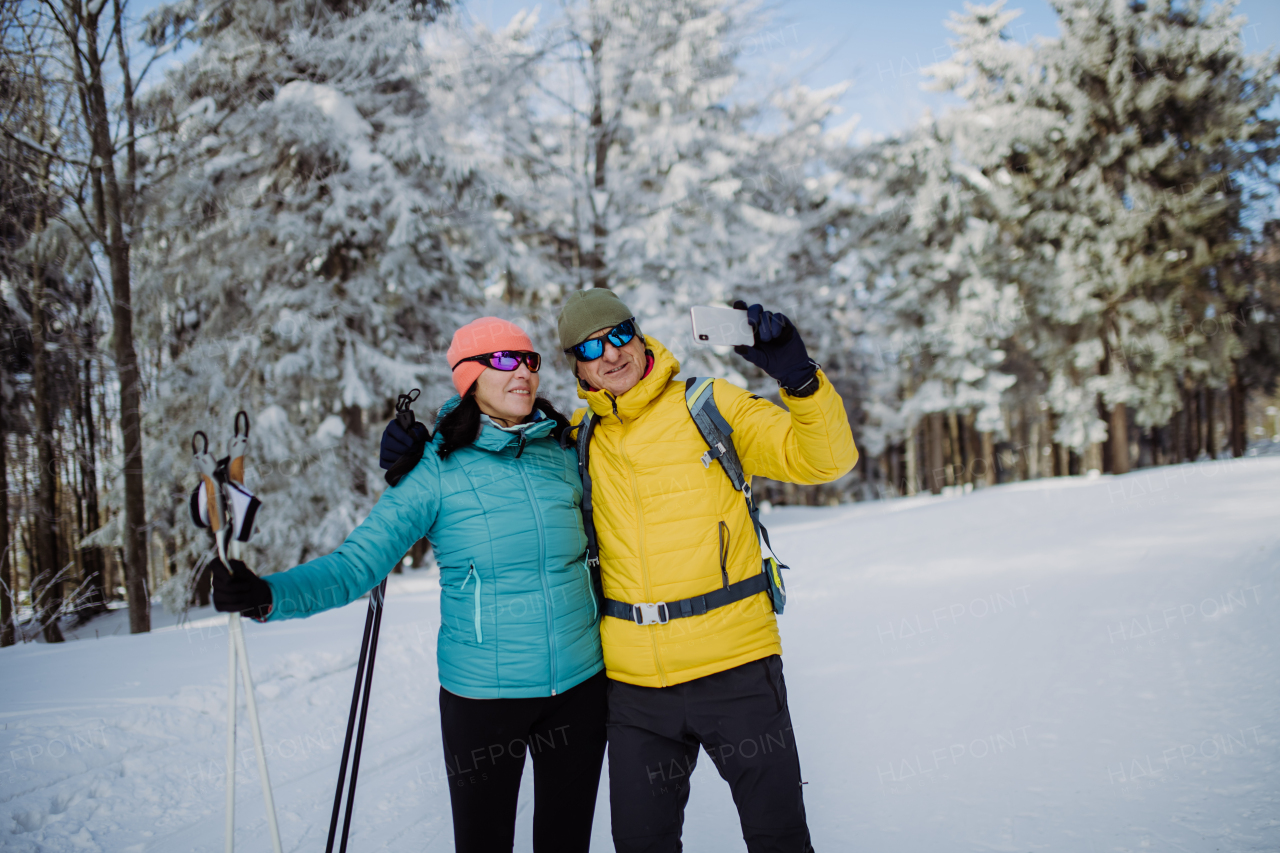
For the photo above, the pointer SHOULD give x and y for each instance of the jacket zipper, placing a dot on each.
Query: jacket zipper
(591, 593)
(476, 595)
(542, 568)
(644, 559)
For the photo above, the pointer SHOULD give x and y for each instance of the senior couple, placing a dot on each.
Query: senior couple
(531, 659)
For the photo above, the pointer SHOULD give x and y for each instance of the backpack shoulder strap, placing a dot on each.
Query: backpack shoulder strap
(716, 431)
(585, 427)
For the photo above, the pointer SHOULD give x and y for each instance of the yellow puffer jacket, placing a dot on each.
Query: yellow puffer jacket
(657, 514)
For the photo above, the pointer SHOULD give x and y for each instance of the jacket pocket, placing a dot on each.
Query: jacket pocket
(476, 611)
(460, 609)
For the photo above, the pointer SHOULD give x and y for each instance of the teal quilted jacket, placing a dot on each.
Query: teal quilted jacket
(518, 618)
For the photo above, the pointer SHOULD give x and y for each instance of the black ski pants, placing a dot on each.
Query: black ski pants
(485, 743)
(740, 717)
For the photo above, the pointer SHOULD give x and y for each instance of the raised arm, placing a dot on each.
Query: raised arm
(402, 516)
(812, 443)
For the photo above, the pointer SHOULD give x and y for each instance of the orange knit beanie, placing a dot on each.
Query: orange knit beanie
(481, 337)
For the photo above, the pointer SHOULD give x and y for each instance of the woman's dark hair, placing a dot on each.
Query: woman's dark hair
(461, 426)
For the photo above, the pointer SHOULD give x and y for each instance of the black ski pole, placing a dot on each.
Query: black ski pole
(368, 650)
(377, 597)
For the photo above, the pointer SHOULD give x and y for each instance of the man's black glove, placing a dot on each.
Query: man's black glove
(778, 351)
(401, 448)
(240, 590)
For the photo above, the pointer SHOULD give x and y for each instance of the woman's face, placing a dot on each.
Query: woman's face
(507, 397)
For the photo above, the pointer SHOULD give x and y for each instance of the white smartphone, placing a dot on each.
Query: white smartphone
(715, 326)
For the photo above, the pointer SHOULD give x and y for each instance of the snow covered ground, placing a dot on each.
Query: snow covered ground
(1072, 665)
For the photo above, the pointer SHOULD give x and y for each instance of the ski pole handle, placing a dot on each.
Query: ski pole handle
(404, 414)
(208, 466)
(239, 447)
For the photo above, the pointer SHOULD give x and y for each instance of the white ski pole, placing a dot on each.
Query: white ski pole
(241, 506)
(224, 505)
(252, 703)
(208, 507)
(231, 731)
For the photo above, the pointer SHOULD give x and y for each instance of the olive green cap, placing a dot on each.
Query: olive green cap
(586, 312)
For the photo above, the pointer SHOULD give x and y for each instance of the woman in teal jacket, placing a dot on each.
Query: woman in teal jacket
(519, 644)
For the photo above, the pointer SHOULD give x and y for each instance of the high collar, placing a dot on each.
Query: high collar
(536, 416)
(632, 403)
(495, 438)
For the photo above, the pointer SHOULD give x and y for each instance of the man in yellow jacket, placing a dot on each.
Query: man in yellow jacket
(671, 528)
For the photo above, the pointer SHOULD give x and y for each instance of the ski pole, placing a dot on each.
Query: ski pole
(364, 671)
(351, 724)
(231, 741)
(223, 504)
(237, 633)
(242, 508)
(364, 681)
(208, 509)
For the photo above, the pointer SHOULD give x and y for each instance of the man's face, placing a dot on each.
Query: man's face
(619, 369)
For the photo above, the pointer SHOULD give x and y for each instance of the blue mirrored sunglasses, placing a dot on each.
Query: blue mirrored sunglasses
(507, 360)
(592, 348)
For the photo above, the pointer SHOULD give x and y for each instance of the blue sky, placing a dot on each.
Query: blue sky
(878, 46)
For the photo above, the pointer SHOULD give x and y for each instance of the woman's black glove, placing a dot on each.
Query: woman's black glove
(401, 448)
(779, 351)
(240, 591)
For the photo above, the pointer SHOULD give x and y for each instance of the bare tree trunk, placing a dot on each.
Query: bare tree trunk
(1239, 428)
(968, 448)
(950, 450)
(1104, 447)
(1031, 448)
(95, 570)
(170, 552)
(1194, 412)
(972, 449)
(937, 472)
(1185, 450)
(1210, 431)
(418, 553)
(201, 590)
(10, 579)
(1179, 418)
(913, 461)
(353, 420)
(48, 592)
(1118, 437)
(988, 477)
(1057, 453)
(25, 532)
(115, 207)
(67, 509)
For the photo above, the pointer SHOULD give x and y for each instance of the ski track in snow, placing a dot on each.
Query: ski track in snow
(1070, 664)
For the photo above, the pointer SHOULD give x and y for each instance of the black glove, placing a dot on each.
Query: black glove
(240, 590)
(779, 351)
(401, 448)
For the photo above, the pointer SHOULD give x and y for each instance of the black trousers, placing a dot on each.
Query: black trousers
(740, 717)
(485, 743)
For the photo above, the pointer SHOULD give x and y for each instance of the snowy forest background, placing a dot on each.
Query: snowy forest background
(1076, 269)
